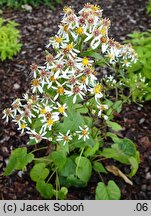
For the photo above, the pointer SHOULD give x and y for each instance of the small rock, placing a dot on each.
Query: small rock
(139, 108)
(4, 151)
(142, 195)
(6, 138)
(145, 142)
(142, 120)
(1, 12)
(16, 86)
(20, 174)
(149, 188)
(148, 176)
(146, 169)
(39, 49)
(27, 8)
(23, 52)
(143, 187)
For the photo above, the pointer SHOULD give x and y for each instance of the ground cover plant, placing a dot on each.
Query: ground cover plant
(9, 39)
(149, 7)
(35, 3)
(71, 111)
(141, 71)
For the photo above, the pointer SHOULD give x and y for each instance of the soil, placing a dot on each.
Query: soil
(36, 27)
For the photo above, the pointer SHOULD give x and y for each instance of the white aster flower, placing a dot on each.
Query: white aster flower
(60, 90)
(61, 109)
(105, 117)
(101, 108)
(66, 138)
(75, 91)
(83, 133)
(16, 105)
(22, 125)
(28, 114)
(37, 85)
(7, 113)
(49, 122)
(97, 91)
(38, 136)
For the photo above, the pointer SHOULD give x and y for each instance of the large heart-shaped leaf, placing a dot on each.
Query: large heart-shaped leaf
(109, 192)
(18, 160)
(83, 169)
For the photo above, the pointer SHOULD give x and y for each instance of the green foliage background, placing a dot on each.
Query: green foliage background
(18, 3)
(9, 39)
(141, 42)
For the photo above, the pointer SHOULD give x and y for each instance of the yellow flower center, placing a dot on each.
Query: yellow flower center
(58, 39)
(83, 79)
(84, 132)
(60, 90)
(67, 10)
(35, 82)
(95, 7)
(102, 107)
(103, 31)
(42, 111)
(97, 89)
(85, 61)
(52, 78)
(23, 126)
(103, 39)
(79, 30)
(61, 109)
(50, 122)
(66, 138)
(70, 47)
(111, 56)
(65, 28)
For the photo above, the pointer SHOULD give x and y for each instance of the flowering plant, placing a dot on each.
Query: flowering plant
(70, 109)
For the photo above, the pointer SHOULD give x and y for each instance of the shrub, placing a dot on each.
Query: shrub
(139, 75)
(9, 39)
(72, 111)
(35, 3)
(149, 7)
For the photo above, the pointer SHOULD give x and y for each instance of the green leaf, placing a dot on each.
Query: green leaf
(134, 166)
(72, 121)
(122, 151)
(32, 142)
(69, 168)
(59, 159)
(39, 172)
(109, 192)
(127, 147)
(74, 181)
(113, 136)
(81, 108)
(117, 106)
(83, 169)
(61, 194)
(88, 121)
(45, 189)
(92, 54)
(91, 150)
(115, 126)
(98, 167)
(18, 160)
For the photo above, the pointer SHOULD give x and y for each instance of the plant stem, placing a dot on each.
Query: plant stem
(51, 175)
(42, 159)
(79, 160)
(39, 149)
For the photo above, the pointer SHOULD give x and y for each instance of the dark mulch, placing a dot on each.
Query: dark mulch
(36, 28)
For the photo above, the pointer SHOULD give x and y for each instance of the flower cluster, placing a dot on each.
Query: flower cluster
(68, 74)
